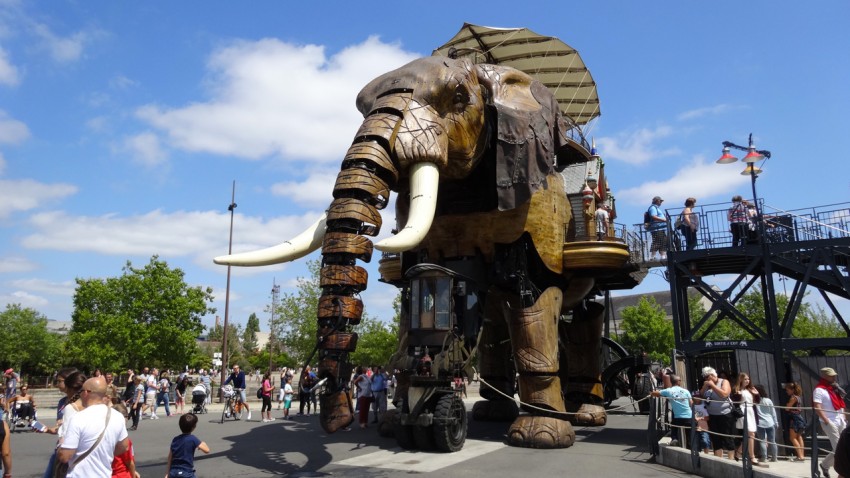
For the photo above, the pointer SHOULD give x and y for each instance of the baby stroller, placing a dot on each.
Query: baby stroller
(199, 399)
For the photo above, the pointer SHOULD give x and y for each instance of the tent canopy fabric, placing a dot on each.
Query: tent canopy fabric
(547, 59)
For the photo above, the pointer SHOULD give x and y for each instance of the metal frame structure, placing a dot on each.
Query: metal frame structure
(812, 249)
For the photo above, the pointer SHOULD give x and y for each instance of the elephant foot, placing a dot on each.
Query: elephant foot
(336, 411)
(495, 411)
(586, 414)
(530, 431)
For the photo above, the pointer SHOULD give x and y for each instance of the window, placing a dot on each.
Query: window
(431, 303)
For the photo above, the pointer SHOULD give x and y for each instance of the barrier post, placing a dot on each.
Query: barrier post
(815, 447)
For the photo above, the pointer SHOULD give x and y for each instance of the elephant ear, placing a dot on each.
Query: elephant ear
(529, 132)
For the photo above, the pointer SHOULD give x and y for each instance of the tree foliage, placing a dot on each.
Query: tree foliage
(646, 329)
(295, 322)
(27, 344)
(147, 316)
(249, 335)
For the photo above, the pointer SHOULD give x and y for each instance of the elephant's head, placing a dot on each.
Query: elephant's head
(433, 119)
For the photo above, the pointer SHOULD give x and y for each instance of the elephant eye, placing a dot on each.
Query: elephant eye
(461, 97)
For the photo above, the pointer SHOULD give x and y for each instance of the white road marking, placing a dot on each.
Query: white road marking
(419, 461)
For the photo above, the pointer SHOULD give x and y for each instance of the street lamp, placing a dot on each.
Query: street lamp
(753, 156)
(275, 294)
(231, 208)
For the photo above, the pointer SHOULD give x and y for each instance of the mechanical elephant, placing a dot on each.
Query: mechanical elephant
(473, 152)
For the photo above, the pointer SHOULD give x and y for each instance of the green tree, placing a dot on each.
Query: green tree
(295, 320)
(646, 329)
(376, 342)
(234, 343)
(249, 335)
(147, 316)
(28, 345)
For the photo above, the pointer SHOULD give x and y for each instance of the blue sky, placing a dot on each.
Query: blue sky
(123, 124)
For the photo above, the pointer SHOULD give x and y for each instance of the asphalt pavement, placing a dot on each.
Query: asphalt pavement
(300, 448)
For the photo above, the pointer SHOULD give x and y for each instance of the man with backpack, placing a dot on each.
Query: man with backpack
(379, 393)
(656, 223)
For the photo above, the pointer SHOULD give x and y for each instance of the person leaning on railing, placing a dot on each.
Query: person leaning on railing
(721, 423)
(680, 403)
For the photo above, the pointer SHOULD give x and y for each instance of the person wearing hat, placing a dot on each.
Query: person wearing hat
(657, 229)
(828, 402)
(12, 380)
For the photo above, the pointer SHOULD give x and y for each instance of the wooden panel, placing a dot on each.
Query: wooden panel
(340, 341)
(350, 276)
(330, 307)
(374, 190)
(348, 209)
(370, 152)
(346, 243)
(382, 125)
(544, 217)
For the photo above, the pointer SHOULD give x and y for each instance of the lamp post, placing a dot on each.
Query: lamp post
(224, 357)
(753, 156)
(275, 292)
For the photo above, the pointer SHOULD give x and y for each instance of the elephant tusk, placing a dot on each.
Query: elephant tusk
(301, 245)
(424, 181)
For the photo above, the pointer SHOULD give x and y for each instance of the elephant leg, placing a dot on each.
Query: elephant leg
(534, 337)
(496, 368)
(583, 390)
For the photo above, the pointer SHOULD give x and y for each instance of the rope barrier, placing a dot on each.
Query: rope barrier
(555, 412)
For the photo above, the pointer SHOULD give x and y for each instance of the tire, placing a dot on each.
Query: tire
(643, 387)
(404, 436)
(224, 410)
(238, 410)
(450, 423)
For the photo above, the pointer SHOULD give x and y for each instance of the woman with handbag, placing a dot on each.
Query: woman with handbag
(721, 424)
(746, 394)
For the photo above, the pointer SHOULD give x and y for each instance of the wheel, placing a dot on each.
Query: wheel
(643, 387)
(238, 410)
(404, 436)
(224, 411)
(450, 423)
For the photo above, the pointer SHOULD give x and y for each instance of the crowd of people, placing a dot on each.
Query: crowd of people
(727, 413)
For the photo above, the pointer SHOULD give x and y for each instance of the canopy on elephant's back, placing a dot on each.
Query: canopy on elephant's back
(547, 59)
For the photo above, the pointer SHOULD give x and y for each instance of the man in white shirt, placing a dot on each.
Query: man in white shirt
(151, 388)
(86, 457)
(829, 407)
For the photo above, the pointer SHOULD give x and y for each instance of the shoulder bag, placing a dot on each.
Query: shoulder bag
(737, 411)
(60, 470)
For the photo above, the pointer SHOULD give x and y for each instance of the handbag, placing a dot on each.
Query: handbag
(736, 412)
(60, 470)
(678, 224)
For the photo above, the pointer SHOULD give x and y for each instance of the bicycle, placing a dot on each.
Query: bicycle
(233, 406)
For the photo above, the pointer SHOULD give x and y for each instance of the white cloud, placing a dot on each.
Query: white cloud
(26, 194)
(25, 299)
(62, 49)
(269, 97)
(200, 235)
(12, 131)
(16, 264)
(315, 191)
(121, 82)
(2, 163)
(700, 179)
(146, 149)
(8, 72)
(65, 288)
(706, 111)
(636, 147)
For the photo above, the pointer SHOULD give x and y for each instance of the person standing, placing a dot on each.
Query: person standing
(137, 402)
(680, 403)
(767, 424)
(657, 229)
(796, 423)
(305, 385)
(287, 396)
(690, 224)
(364, 396)
(738, 221)
(602, 221)
(721, 423)
(94, 435)
(162, 395)
(266, 410)
(12, 379)
(207, 381)
(180, 393)
(829, 405)
(5, 449)
(379, 393)
(746, 394)
(151, 386)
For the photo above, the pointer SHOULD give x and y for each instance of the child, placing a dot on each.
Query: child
(701, 416)
(181, 456)
(287, 396)
(124, 465)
